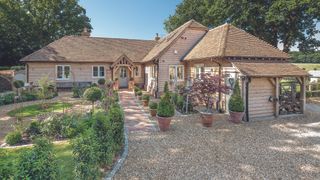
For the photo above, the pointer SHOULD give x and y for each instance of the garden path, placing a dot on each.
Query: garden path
(135, 117)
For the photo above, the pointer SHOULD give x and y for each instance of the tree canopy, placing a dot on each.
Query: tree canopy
(289, 22)
(28, 25)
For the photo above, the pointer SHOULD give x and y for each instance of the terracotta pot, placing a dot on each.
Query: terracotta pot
(153, 112)
(206, 119)
(236, 117)
(145, 103)
(164, 123)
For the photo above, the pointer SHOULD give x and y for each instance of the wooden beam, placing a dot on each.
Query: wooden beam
(272, 81)
(277, 105)
(303, 95)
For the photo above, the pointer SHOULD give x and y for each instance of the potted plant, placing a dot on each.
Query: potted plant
(101, 83)
(236, 105)
(165, 111)
(145, 99)
(139, 94)
(204, 90)
(153, 108)
(136, 90)
(131, 83)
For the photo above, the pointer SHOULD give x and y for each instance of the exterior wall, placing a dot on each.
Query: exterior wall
(260, 89)
(80, 72)
(181, 46)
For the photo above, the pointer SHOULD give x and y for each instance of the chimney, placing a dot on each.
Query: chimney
(157, 37)
(85, 32)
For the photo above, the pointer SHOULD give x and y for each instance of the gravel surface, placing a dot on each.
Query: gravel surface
(277, 149)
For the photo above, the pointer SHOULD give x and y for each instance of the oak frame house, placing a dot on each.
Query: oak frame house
(177, 58)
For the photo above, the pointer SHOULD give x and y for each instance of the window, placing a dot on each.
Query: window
(137, 71)
(63, 72)
(176, 72)
(98, 71)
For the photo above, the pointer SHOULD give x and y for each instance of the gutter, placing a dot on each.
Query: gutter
(157, 92)
(248, 80)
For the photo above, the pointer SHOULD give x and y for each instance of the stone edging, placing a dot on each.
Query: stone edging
(116, 167)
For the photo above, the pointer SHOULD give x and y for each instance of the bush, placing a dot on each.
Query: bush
(13, 138)
(38, 163)
(153, 105)
(85, 155)
(18, 84)
(146, 97)
(308, 94)
(166, 87)
(101, 81)
(76, 92)
(139, 93)
(116, 117)
(7, 98)
(52, 126)
(17, 68)
(93, 94)
(236, 102)
(136, 90)
(34, 129)
(165, 108)
(180, 103)
(28, 96)
(174, 98)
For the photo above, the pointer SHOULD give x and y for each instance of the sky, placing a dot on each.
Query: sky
(133, 19)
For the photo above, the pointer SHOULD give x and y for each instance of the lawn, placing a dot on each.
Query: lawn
(33, 110)
(63, 152)
(308, 66)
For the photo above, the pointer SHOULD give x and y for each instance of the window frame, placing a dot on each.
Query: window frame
(176, 72)
(63, 72)
(98, 66)
(137, 69)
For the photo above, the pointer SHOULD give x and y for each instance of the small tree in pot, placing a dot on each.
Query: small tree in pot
(145, 99)
(204, 91)
(93, 94)
(236, 105)
(139, 94)
(165, 111)
(153, 108)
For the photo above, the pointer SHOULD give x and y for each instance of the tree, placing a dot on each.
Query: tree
(276, 21)
(28, 25)
(93, 94)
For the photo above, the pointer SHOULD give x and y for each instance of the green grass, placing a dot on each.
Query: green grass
(33, 110)
(308, 66)
(63, 153)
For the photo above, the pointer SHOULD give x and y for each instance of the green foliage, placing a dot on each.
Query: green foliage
(28, 96)
(271, 21)
(7, 98)
(308, 94)
(13, 138)
(34, 129)
(146, 97)
(306, 57)
(93, 94)
(116, 117)
(165, 108)
(76, 92)
(38, 163)
(153, 105)
(174, 98)
(136, 90)
(18, 84)
(139, 93)
(85, 148)
(45, 88)
(236, 103)
(101, 81)
(166, 87)
(180, 103)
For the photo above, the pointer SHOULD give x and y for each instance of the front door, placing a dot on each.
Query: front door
(123, 77)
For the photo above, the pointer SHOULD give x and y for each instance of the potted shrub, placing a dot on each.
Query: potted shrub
(153, 108)
(165, 112)
(145, 99)
(101, 83)
(236, 105)
(93, 94)
(204, 90)
(136, 90)
(139, 94)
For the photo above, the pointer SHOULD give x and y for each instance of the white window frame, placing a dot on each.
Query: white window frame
(176, 72)
(138, 67)
(99, 66)
(63, 74)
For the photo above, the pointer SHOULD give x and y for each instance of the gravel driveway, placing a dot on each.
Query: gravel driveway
(278, 149)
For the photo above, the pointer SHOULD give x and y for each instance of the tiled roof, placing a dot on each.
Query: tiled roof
(229, 41)
(166, 41)
(91, 49)
(269, 69)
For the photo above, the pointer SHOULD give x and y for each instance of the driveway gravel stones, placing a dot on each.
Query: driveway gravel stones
(271, 149)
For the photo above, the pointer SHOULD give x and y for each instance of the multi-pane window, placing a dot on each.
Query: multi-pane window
(176, 72)
(98, 71)
(63, 72)
(137, 71)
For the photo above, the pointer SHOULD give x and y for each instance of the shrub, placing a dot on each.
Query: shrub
(180, 103)
(104, 133)
(165, 108)
(153, 105)
(236, 102)
(174, 98)
(39, 162)
(34, 129)
(166, 87)
(101, 81)
(136, 90)
(18, 84)
(28, 96)
(85, 155)
(13, 138)
(93, 94)
(76, 92)
(17, 68)
(146, 97)
(139, 93)
(308, 94)
(52, 126)
(7, 98)
(116, 117)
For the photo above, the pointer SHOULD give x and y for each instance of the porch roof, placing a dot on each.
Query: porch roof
(269, 69)
(229, 41)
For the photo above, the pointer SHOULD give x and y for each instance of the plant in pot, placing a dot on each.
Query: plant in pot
(204, 91)
(153, 108)
(145, 99)
(236, 105)
(136, 90)
(131, 84)
(165, 112)
(139, 94)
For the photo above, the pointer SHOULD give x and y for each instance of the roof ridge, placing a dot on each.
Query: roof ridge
(92, 37)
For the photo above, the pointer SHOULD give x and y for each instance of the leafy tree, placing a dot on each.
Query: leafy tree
(93, 94)
(276, 21)
(305, 57)
(28, 25)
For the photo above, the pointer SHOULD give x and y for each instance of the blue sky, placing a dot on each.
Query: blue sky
(135, 19)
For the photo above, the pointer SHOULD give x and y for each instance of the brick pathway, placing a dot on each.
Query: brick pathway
(135, 118)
